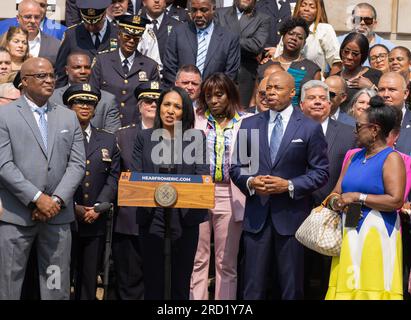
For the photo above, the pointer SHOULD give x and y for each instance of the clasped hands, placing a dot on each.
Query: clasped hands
(46, 208)
(86, 214)
(266, 185)
(341, 202)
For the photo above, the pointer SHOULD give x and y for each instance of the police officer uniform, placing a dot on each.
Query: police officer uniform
(109, 74)
(77, 38)
(177, 12)
(99, 185)
(126, 251)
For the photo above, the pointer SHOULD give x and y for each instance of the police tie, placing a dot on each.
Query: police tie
(85, 140)
(97, 41)
(202, 50)
(125, 66)
(155, 28)
(43, 124)
(276, 137)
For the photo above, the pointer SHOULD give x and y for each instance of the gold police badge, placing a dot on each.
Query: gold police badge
(142, 76)
(105, 155)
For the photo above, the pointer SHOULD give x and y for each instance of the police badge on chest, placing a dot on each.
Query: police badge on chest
(105, 155)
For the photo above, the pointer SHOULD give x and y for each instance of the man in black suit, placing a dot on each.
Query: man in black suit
(161, 23)
(99, 185)
(253, 29)
(126, 248)
(279, 11)
(94, 35)
(209, 46)
(122, 70)
(40, 44)
(316, 104)
(338, 95)
(78, 69)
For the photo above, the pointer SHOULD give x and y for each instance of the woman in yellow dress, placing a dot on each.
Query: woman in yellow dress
(370, 262)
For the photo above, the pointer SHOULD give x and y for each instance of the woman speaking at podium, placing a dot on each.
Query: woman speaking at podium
(174, 117)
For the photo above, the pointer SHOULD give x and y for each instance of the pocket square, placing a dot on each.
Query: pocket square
(64, 131)
(297, 141)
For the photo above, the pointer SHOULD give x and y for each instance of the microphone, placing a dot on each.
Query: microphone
(102, 207)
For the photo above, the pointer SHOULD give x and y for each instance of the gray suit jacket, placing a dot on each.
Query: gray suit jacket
(26, 167)
(49, 47)
(107, 115)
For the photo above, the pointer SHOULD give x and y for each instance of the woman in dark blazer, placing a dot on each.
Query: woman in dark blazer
(174, 113)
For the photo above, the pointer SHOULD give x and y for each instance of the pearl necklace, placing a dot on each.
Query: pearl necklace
(288, 63)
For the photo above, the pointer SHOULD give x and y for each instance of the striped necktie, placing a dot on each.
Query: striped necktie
(43, 124)
(202, 50)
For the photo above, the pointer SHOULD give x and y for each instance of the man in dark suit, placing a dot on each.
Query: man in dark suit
(338, 95)
(316, 104)
(122, 70)
(126, 247)
(94, 35)
(292, 153)
(78, 69)
(177, 12)
(203, 43)
(161, 23)
(189, 78)
(42, 162)
(279, 11)
(40, 44)
(99, 185)
(253, 28)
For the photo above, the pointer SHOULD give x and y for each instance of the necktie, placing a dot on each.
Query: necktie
(85, 140)
(276, 137)
(43, 124)
(125, 66)
(97, 41)
(202, 50)
(155, 28)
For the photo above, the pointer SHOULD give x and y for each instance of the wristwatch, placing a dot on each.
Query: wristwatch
(291, 189)
(362, 198)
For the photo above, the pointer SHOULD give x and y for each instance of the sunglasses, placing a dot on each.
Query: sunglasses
(359, 126)
(367, 20)
(84, 103)
(332, 94)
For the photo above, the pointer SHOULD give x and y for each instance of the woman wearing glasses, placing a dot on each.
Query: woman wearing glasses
(370, 262)
(354, 52)
(378, 57)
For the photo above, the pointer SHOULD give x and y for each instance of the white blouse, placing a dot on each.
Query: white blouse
(321, 47)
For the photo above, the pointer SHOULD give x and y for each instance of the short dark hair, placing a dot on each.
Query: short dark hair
(365, 5)
(403, 49)
(376, 46)
(77, 53)
(381, 114)
(292, 23)
(360, 40)
(220, 81)
(189, 68)
(188, 110)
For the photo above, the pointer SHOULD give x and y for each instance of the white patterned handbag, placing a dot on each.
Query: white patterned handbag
(321, 231)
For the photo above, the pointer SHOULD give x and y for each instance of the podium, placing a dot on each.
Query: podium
(168, 191)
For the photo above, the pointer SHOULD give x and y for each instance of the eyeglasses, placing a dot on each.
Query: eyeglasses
(83, 103)
(128, 37)
(42, 76)
(380, 56)
(149, 100)
(367, 20)
(359, 126)
(346, 52)
(332, 94)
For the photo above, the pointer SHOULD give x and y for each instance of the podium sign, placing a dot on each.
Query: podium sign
(165, 190)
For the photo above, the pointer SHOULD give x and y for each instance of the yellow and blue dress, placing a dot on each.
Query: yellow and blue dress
(370, 264)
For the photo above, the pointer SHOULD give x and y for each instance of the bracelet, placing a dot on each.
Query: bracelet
(331, 203)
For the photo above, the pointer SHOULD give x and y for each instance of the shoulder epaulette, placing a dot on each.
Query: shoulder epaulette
(104, 51)
(104, 130)
(73, 26)
(125, 127)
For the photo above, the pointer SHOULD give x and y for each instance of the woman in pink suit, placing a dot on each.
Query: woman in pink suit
(219, 117)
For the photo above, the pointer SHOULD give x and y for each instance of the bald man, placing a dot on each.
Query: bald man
(42, 162)
(48, 26)
(292, 164)
(29, 17)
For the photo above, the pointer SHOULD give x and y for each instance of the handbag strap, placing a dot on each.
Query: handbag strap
(324, 203)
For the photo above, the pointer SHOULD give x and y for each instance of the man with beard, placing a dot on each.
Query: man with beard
(364, 20)
(208, 45)
(253, 28)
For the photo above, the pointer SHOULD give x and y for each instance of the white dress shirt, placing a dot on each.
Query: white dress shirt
(34, 45)
(159, 20)
(324, 125)
(148, 46)
(336, 114)
(88, 132)
(285, 114)
(130, 59)
(102, 32)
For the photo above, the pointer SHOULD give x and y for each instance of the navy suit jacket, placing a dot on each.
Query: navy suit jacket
(346, 119)
(404, 141)
(142, 162)
(223, 54)
(301, 158)
(340, 138)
